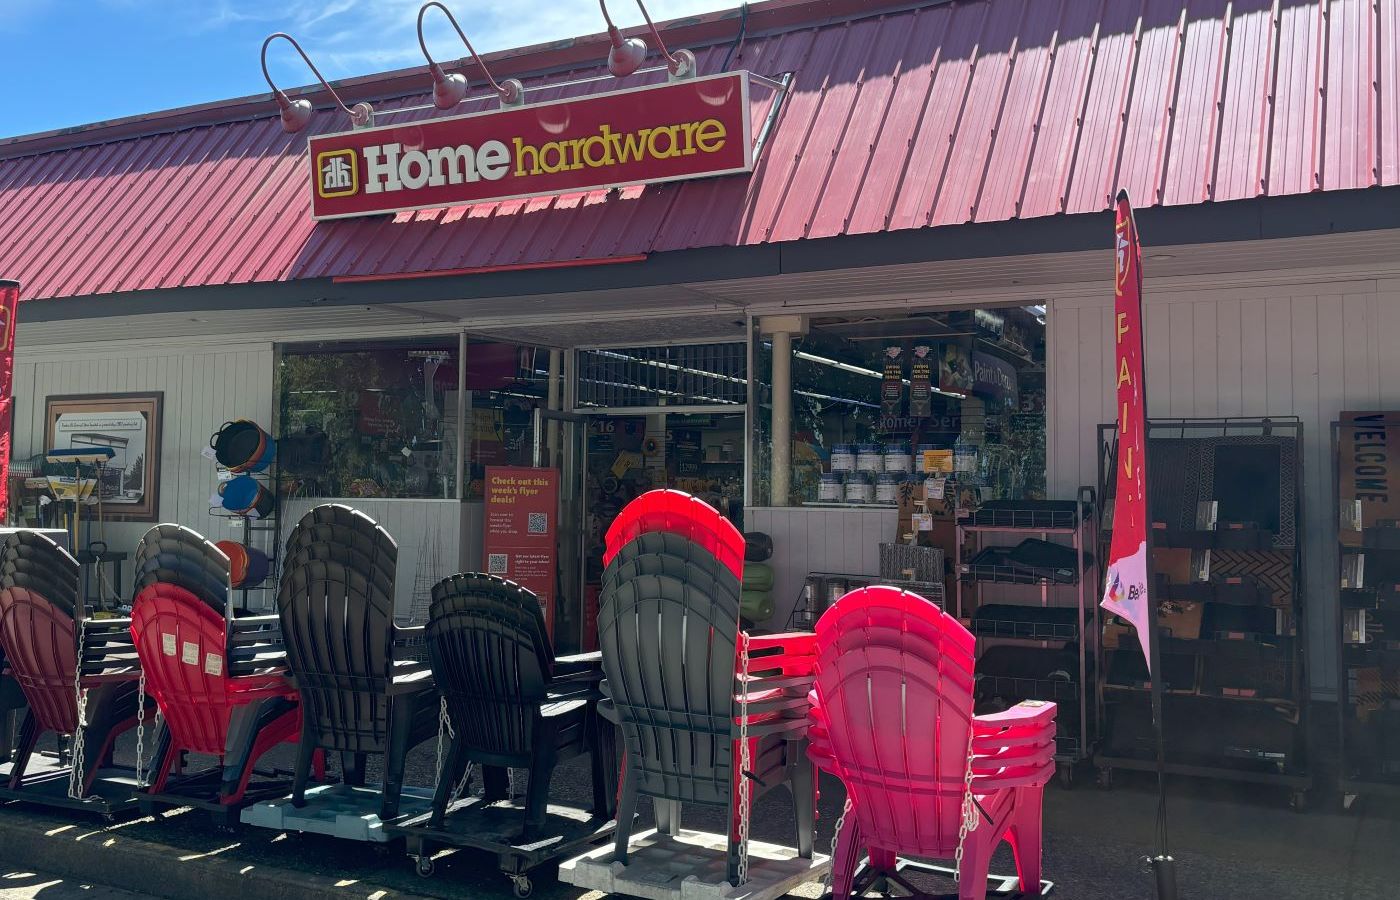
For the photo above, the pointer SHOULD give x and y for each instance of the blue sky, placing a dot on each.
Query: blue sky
(70, 62)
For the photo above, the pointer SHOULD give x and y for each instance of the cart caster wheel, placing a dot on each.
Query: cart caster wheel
(521, 886)
(425, 866)
(1299, 801)
(1065, 771)
(1105, 779)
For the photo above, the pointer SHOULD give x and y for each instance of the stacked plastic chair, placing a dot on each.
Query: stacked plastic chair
(219, 679)
(708, 714)
(892, 717)
(510, 703)
(79, 676)
(359, 693)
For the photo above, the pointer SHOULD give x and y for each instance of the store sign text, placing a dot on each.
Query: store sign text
(688, 129)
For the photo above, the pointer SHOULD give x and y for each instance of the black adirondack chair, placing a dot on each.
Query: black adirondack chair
(338, 627)
(669, 650)
(512, 703)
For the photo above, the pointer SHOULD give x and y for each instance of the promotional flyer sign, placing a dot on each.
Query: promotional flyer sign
(686, 129)
(521, 533)
(1125, 592)
(9, 309)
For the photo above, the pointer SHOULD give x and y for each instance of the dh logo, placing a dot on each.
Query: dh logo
(337, 173)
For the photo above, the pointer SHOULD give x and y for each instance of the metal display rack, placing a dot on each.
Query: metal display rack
(1235, 693)
(260, 533)
(1044, 624)
(1368, 685)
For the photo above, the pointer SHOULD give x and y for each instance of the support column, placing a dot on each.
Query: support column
(780, 330)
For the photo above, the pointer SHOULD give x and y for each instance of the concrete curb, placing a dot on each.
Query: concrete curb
(90, 851)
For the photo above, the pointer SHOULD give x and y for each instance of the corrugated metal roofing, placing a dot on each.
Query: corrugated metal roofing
(937, 115)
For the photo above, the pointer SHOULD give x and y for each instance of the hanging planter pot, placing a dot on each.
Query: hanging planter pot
(242, 446)
(245, 496)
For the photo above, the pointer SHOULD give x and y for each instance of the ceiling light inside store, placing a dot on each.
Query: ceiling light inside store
(859, 370)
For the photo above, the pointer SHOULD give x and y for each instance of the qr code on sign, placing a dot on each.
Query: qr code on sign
(496, 563)
(538, 523)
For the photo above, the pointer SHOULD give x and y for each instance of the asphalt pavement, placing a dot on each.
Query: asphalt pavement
(1230, 840)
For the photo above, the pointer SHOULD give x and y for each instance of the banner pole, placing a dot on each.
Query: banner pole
(1163, 865)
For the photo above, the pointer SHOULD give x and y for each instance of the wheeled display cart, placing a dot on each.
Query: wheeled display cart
(1035, 647)
(1368, 612)
(1226, 549)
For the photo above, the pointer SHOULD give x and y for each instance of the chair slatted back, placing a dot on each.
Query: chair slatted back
(338, 629)
(894, 685)
(668, 656)
(38, 631)
(679, 513)
(181, 644)
(491, 659)
(40, 642)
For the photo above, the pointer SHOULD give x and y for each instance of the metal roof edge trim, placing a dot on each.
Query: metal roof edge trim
(1257, 218)
(698, 30)
(485, 270)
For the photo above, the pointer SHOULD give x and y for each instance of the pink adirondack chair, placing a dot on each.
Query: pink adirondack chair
(891, 716)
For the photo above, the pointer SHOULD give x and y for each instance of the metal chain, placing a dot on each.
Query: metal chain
(744, 762)
(445, 729)
(75, 771)
(968, 820)
(141, 731)
(836, 836)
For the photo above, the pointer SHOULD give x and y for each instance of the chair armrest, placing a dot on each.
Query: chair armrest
(608, 711)
(408, 677)
(797, 643)
(1024, 715)
(577, 664)
(405, 633)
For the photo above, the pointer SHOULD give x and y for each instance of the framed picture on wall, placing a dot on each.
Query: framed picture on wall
(129, 424)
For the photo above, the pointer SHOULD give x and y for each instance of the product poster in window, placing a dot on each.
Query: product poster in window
(127, 425)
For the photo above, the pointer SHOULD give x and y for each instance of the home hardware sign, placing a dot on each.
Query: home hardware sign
(687, 129)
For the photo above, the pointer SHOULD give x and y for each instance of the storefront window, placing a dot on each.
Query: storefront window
(876, 400)
(369, 420)
(505, 384)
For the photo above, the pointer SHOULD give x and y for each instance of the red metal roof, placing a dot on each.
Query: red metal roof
(913, 116)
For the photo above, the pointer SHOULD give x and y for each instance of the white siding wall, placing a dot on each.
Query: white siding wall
(428, 532)
(1304, 349)
(204, 386)
(816, 539)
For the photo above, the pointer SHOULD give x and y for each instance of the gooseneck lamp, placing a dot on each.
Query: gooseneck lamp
(296, 114)
(627, 55)
(448, 90)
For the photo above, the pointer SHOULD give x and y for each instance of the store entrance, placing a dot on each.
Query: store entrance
(628, 455)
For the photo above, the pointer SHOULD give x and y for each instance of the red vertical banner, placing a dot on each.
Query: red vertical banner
(521, 534)
(1126, 587)
(9, 310)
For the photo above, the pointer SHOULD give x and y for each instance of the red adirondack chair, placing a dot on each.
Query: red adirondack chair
(183, 644)
(892, 717)
(40, 641)
(678, 513)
